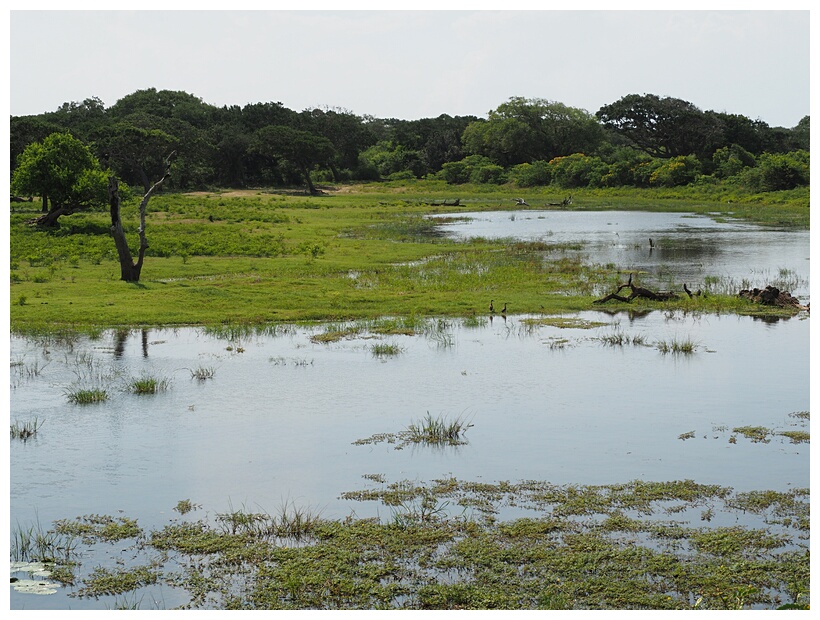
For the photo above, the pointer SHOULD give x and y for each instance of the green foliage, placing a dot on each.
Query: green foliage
(731, 160)
(577, 170)
(523, 130)
(63, 169)
(783, 171)
(680, 170)
(531, 174)
(472, 169)
(392, 161)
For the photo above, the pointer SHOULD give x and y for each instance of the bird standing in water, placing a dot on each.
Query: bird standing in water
(491, 307)
(504, 309)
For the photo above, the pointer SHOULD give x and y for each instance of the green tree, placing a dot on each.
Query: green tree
(526, 130)
(63, 171)
(663, 127)
(781, 171)
(300, 148)
(133, 152)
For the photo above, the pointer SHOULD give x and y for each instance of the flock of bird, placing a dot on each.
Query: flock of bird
(492, 308)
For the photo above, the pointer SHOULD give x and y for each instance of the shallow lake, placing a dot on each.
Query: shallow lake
(688, 248)
(277, 421)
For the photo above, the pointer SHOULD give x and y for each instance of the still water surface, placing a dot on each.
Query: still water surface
(688, 248)
(278, 420)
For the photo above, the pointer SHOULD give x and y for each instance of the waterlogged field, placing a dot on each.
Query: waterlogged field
(290, 445)
(550, 418)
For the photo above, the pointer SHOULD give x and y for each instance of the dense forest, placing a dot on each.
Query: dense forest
(637, 141)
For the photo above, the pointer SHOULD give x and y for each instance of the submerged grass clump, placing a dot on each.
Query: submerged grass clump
(620, 339)
(87, 396)
(201, 373)
(434, 431)
(25, 430)
(385, 349)
(148, 385)
(683, 347)
(438, 430)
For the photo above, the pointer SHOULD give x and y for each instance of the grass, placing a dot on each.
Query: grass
(25, 430)
(148, 385)
(619, 339)
(679, 347)
(380, 257)
(440, 545)
(35, 544)
(385, 349)
(438, 430)
(202, 373)
(86, 396)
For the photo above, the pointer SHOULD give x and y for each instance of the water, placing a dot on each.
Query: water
(277, 422)
(688, 248)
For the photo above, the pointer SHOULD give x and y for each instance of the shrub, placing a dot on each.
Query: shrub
(530, 175)
(783, 170)
(680, 170)
(577, 170)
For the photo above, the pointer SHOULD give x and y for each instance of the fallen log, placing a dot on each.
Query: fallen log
(637, 291)
(565, 202)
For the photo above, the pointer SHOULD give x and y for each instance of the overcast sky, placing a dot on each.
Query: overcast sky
(416, 64)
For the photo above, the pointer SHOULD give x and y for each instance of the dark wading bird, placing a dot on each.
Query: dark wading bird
(491, 307)
(504, 309)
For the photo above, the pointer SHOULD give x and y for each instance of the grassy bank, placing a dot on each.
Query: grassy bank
(359, 251)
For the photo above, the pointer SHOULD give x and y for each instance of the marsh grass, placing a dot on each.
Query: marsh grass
(758, 434)
(34, 543)
(148, 385)
(438, 430)
(202, 373)
(86, 396)
(25, 430)
(290, 522)
(619, 339)
(681, 347)
(385, 349)
(440, 545)
(28, 370)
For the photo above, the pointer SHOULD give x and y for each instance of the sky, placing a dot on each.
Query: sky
(419, 63)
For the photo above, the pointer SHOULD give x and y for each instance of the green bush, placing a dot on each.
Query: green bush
(578, 170)
(531, 175)
(731, 160)
(675, 171)
(783, 170)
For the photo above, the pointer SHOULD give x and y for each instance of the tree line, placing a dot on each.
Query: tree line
(639, 141)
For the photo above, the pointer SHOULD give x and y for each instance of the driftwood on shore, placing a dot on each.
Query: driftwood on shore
(639, 291)
(565, 202)
(455, 203)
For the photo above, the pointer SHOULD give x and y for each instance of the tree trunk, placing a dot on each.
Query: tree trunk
(130, 270)
(49, 218)
(311, 187)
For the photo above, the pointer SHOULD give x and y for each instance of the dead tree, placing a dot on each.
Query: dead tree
(130, 270)
(637, 291)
